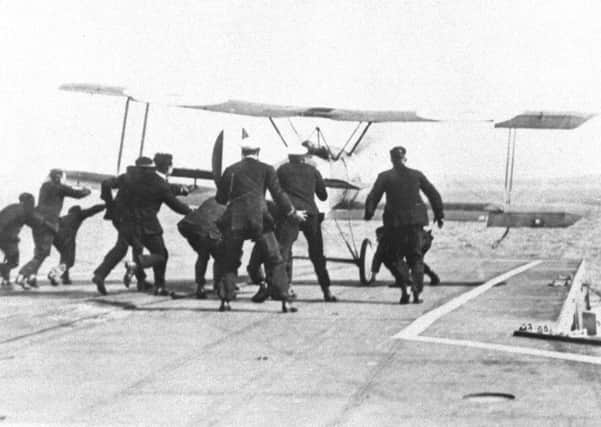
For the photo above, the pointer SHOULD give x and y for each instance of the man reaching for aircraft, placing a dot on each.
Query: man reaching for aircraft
(405, 214)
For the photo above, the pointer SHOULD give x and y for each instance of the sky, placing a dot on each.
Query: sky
(441, 58)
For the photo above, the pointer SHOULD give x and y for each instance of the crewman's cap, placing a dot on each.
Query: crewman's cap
(248, 144)
(398, 152)
(144, 162)
(297, 149)
(163, 159)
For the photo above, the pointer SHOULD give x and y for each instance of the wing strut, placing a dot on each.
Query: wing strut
(278, 131)
(509, 172)
(127, 101)
(360, 137)
(142, 139)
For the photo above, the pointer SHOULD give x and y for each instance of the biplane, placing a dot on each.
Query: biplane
(347, 194)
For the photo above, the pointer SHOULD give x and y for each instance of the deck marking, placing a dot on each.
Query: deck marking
(574, 357)
(420, 324)
(413, 331)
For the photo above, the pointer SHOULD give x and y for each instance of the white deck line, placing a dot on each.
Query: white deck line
(420, 324)
(573, 357)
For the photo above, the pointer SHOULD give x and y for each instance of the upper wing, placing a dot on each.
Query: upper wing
(259, 109)
(546, 120)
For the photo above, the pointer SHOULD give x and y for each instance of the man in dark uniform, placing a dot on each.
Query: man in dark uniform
(163, 163)
(405, 214)
(12, 219)
(50, 204)
(302, 182)
(116, 208)
(143, 194)
(243, 187)
(199, 227)
(64, 240)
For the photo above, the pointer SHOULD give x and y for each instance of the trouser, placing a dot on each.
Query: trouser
(407, 242)
(66, 250)
(255, 271)
(43, 239)
(157, 258)
(205, 247)
(274, 263)
(130, 235)
(11, 257)
(287, 233)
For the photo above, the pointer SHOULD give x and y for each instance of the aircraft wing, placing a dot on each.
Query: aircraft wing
(546, 120)
(272, 110)
(257, 109)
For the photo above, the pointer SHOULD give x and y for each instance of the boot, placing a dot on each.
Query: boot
(22, 282)
(32, 281)
(288, 308)
(160, 291)
(65, 278)
(434, 279)
(328, 297)
(99, 282)
(416, 298)
(404, 298)
(130, 271)
(200, 292)
(225, 305)
(262, 294)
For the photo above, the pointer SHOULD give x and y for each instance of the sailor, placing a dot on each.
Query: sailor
(405, 214)
(12, 219)
(199, 227)
(302, 182)
(144, 193)
(116, 209)
(64, 240)
(50, 204)
(243, 187)
(164, 165)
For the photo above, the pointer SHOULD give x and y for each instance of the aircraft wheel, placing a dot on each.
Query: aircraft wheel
(366, 256)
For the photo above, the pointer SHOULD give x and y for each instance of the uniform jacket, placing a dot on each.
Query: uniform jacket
(70, 223)
(141, 194)
(52, 194)
(203, 220)
(301, 182)
(12, 219)
(242, 187)
(404, 205)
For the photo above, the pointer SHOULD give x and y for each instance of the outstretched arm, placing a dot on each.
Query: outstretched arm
(175, 205)
(76, 193)
(86, 213)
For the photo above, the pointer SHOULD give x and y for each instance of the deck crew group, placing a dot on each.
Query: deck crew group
(219, 226)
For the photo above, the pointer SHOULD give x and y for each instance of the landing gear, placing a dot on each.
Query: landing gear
(366, 256)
